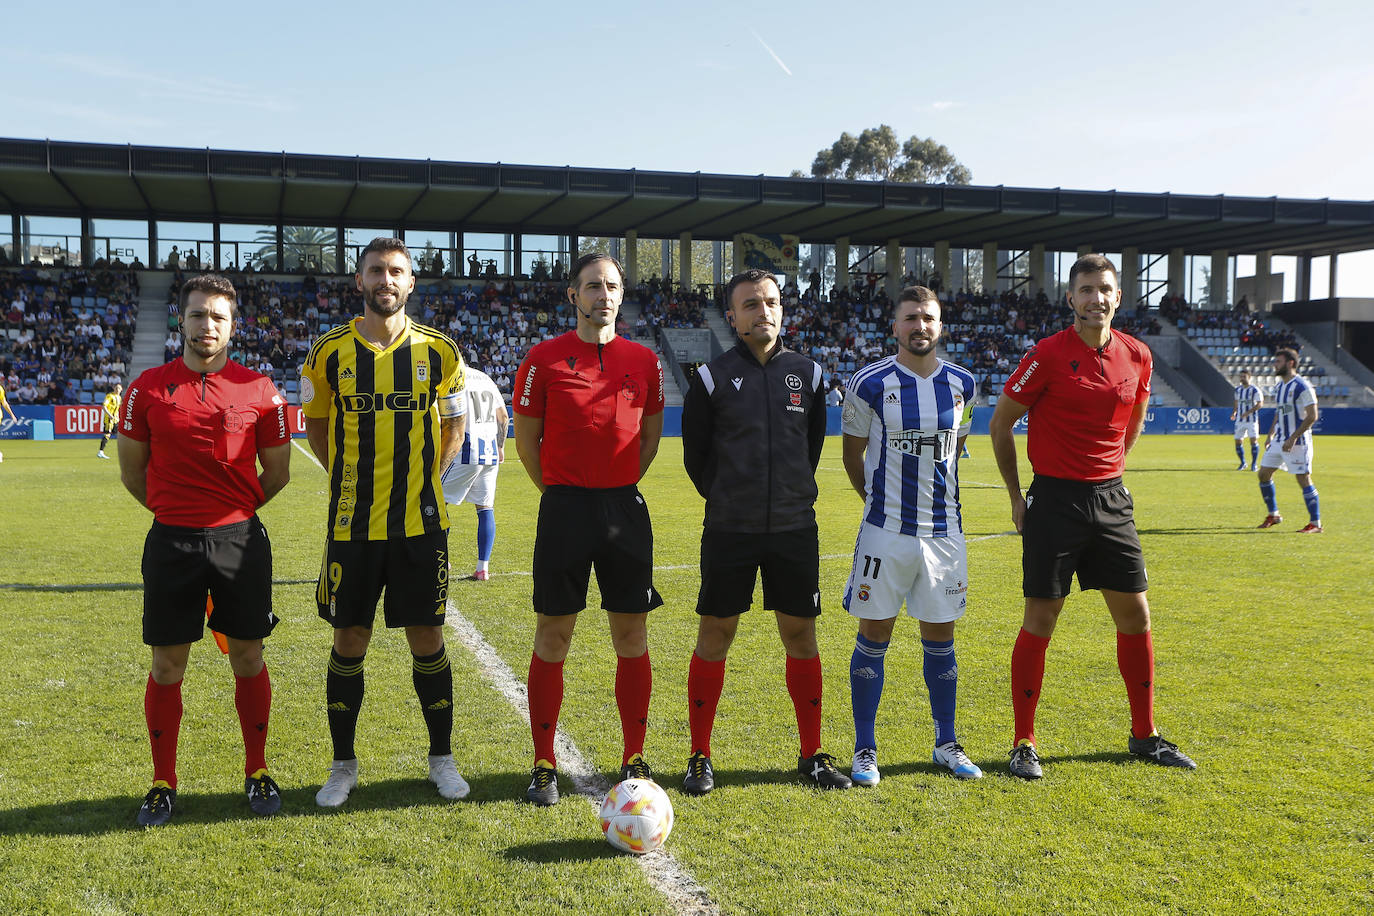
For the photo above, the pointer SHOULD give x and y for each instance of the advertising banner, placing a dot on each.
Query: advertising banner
(16, 429)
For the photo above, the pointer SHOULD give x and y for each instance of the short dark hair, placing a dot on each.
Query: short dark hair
(919, 294)
(1091, 264)
(752, 275)
(210, 285)
(383, 245)
(1287, 353)
(575, 274)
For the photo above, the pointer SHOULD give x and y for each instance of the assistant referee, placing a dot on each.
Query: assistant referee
(1087, 390)
(194, 431)
(588, 418)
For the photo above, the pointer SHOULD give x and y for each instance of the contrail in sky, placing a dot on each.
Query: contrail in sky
(771, 52)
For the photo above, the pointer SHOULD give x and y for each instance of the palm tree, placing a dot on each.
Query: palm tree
(303, 246)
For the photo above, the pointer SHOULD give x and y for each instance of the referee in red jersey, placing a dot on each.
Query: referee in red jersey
(1086, 390)
(588, 417)
(193, 434)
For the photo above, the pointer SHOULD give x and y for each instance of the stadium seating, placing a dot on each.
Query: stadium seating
(62, 324)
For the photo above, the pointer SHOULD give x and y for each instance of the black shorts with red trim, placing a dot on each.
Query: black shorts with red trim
(581, 529)
(232, 564)
(1083, 527)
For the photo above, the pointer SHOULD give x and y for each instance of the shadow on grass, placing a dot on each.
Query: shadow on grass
(584, 849)
(996, 766)
(95, 816)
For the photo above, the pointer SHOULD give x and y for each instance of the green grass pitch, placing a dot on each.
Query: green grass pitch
(1264, 642)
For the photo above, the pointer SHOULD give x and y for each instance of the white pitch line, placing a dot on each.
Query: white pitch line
(307, 453)
(665, 874)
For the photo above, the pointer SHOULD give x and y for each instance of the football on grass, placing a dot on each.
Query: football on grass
(636, 816)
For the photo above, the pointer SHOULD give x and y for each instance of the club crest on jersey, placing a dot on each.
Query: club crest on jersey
(863, 592)
(422, 372)
(793, 382)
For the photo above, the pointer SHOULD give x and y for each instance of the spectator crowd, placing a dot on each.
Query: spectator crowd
(65, 331)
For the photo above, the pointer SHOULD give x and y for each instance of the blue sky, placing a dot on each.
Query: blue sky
(1252, 98)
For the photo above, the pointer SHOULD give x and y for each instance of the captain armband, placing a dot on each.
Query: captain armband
(453, 405)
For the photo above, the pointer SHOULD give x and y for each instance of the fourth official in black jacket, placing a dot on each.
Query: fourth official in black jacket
(753, 426)
(752, 437)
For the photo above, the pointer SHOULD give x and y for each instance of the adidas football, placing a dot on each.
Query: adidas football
(636, 816)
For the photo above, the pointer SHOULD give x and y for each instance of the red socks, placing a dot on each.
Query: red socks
(1135, 656)
(705, 680)
(1027, 676)
(634, 681)
(253, 700)
(545, 691)
(804, 686)
(162, 710)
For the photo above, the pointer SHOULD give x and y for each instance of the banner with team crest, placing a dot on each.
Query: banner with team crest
(776, 254)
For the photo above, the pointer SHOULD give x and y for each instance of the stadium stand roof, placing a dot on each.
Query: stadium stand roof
(53, 178)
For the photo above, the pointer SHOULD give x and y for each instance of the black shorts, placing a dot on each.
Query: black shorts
(580, 528)
(232, 564)
(413, 571)
(1083, 527)
(731, 562)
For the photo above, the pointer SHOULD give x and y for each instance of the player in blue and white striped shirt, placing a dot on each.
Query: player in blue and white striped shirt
(905, 420)
(472, 475)
(1249, 400)
(1290, 441)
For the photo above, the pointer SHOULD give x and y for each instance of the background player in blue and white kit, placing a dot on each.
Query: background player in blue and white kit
(1249, 400)
(472, 476)
(905, 421)
(1289, 445)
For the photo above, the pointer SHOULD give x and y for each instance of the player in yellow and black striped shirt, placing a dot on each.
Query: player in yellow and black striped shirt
(384, 412)
(110, 418)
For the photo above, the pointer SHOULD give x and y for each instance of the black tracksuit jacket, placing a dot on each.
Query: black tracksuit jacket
(752, 437)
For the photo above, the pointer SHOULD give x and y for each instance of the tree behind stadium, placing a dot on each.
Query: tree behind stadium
(876, 153)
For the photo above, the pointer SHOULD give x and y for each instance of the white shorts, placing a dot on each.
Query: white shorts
(1248, 428)
(1296, 461)
(470, 483)
(929, 574)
